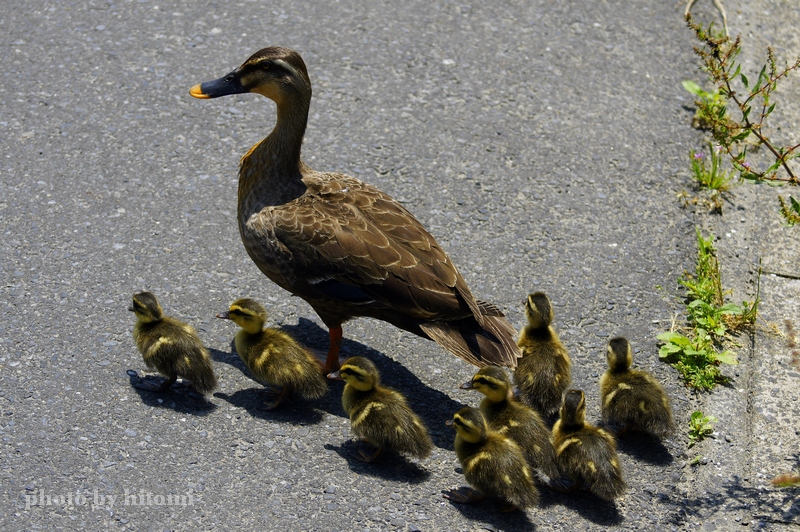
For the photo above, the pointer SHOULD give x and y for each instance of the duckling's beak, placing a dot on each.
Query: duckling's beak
(224, 315)
(467, 386)
(227, 84)
(131, 308)
(449, 422)
(335, 376)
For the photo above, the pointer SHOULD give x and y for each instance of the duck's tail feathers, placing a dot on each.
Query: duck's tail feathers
(489, 343)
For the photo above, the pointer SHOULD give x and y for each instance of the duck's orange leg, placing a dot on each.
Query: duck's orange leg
(332, 361)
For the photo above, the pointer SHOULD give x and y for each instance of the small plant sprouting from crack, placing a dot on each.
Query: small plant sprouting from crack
(753, 103)
(700, 427)
(698, 354)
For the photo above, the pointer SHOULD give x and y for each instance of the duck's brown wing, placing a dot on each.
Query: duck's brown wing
(355, 244)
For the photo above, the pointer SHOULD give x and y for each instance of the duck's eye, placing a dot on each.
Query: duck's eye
(266, 65)
(228, 78)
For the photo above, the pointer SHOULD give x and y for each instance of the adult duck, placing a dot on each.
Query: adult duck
(342, 245)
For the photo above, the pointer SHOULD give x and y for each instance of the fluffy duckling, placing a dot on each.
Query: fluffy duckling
(631, 397)
(586, 454)
(170, 346)
(493, 463)
(514, 419)
(543, 372)
(273, 356)
(379, 415)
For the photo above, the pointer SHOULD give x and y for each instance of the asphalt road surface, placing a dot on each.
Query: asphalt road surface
(542, 143)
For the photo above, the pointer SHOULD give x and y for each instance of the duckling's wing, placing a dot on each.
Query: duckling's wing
(353, 243)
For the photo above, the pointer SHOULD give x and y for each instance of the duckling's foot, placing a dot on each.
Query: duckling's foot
(463, 495)
(618, 430)
(562, 485)
(273, 396)
(368, 458)
(150, 383)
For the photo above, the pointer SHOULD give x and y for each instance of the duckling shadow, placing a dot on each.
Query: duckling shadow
(645, 447)
(589, 506)
(432, 406)
(290, 411)
(389, 466)
(180, 398)
(230, 358)
(490, 511)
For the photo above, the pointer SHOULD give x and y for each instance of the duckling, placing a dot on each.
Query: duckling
(272, 355)
(514, 419)
(543, 372)
(170, 346)
(586, 454)
(493, 463)
(344, 246)
(633, 398)
(379, 415)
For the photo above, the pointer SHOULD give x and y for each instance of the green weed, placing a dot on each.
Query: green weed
(700, 427)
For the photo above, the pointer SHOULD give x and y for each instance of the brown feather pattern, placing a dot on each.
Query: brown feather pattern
(301, 226)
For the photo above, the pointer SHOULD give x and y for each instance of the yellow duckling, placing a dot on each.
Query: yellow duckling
(273, 356)
(493, 463)
(379, 415)
(170, 346)
(631, 397)
(543, 372)
(514, 419)
(586, 454)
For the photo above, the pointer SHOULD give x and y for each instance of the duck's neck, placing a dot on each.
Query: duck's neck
(271, 172)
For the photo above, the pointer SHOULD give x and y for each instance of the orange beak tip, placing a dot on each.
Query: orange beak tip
(197, 92)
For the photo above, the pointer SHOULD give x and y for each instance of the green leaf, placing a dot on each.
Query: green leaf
(727, 357)
(771, 107)
(744, 80)
(730, 308)
(795, 204)
(693, 87)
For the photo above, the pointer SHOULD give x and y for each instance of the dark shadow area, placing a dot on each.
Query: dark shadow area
(296, 412)
(644, 447)
(180, 397)
(769, 505)
(490, 512)
(389, 465)
(230, 358)
(586, 504)
(432, 406)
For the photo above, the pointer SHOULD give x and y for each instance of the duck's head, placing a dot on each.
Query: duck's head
(492, 382)
(573, 409)
(538, 310)
(247, 314)
(146, 307)
(275, 72)
(619, 355)
(358, 372)
(470, 424)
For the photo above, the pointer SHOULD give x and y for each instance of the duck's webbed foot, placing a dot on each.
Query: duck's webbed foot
(332, 359)
(150, 382)
(273, 396)
(463, 495)
(368, 458)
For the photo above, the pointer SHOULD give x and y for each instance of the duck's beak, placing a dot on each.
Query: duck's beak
(224, 315)
(467, 386)
(335, 376)
(449, 422)
(224, 86)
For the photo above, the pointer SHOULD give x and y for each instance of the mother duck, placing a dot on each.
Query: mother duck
(342, 245)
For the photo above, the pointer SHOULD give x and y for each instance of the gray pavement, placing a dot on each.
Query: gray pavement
(542, 143)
